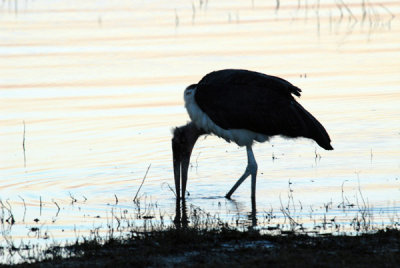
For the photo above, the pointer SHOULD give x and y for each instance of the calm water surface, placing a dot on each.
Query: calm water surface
(97, 86)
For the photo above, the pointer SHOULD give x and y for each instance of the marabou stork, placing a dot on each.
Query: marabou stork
(241, 106)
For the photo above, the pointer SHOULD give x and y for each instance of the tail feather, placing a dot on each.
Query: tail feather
(313, 129)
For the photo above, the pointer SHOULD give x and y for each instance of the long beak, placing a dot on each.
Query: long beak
(181, 158)
(184, 170)
(182, 145)
(176, 154)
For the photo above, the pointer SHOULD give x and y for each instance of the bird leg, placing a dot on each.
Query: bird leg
(251, 169)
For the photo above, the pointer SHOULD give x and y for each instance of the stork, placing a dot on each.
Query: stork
(244, 107)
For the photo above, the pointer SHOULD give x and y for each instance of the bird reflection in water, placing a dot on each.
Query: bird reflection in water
(181, 219)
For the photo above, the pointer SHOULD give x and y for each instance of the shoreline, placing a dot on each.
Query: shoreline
(227, 247)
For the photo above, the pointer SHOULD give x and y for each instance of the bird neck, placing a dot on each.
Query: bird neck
(190, 134)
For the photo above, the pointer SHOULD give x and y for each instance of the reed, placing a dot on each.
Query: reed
(205, 240)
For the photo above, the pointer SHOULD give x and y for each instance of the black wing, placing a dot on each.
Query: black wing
(259, 103)
(250, 78)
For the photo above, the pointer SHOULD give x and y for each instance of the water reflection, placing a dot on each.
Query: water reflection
(181, 218)
(249, 221)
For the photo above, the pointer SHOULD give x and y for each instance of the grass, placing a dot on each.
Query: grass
(141, 234)
(197, 238)
(227, 247)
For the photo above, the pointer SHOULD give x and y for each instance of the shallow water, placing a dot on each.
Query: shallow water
(89, 94)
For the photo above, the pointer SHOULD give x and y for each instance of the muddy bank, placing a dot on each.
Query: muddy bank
(224, 248)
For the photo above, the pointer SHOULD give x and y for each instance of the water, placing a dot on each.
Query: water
(97, 86)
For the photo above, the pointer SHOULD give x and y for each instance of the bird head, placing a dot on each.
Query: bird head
(183, 141)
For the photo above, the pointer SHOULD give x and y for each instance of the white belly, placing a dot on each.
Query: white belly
(242, 137)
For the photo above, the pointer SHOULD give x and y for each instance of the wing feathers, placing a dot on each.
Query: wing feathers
(250, 78)
(257, 107)
(313, 129)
